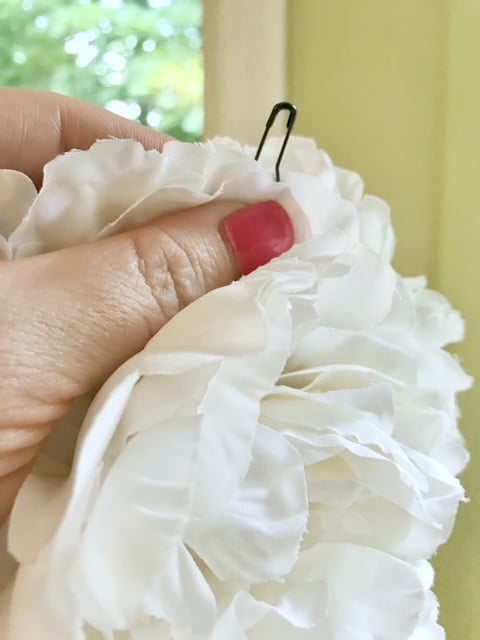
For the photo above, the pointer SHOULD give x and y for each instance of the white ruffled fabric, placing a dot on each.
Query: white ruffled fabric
(280, 461)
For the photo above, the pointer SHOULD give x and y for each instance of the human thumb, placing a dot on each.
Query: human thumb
(71, 317)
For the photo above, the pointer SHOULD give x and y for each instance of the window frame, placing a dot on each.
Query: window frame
(245, 54)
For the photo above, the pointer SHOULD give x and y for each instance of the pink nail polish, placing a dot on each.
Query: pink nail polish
(259, 233)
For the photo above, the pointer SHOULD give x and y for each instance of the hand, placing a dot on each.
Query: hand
(71, 317)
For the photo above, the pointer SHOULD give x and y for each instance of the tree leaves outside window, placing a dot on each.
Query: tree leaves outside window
(139, 58)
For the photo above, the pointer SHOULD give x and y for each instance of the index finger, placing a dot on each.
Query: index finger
(36, 126)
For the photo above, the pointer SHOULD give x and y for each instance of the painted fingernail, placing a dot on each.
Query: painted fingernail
(258, 233)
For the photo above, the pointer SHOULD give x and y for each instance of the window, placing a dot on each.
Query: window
(139, 58)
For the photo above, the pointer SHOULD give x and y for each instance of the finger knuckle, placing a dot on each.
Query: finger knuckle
(171, 271)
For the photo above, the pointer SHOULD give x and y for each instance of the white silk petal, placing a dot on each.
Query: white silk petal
(146, 497)
(362, 295)
(146, 630)
(231, 407)
(354, 594)
(45, 619)
(326, 347)
(350, 184)
(257, 536)
(437, 323)
(324, 208)
(376, 231)
(432, 431)
(63, 505)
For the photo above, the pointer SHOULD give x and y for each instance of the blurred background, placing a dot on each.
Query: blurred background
(139, 58)
(390, 89)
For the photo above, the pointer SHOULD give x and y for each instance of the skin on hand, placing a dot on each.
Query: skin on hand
(64, 330)
(69, 318)
(37, 126)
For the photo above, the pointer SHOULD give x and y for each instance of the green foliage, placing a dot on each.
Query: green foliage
(140, 58)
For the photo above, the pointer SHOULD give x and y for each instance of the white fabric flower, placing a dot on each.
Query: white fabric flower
(280, 461)
(118, 186)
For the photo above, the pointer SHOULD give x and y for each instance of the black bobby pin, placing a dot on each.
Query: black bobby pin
(280, 106)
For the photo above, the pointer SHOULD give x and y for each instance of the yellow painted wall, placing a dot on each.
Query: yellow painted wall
(391, 88)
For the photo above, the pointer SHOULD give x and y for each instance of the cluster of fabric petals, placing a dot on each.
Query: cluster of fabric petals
(280, 462)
